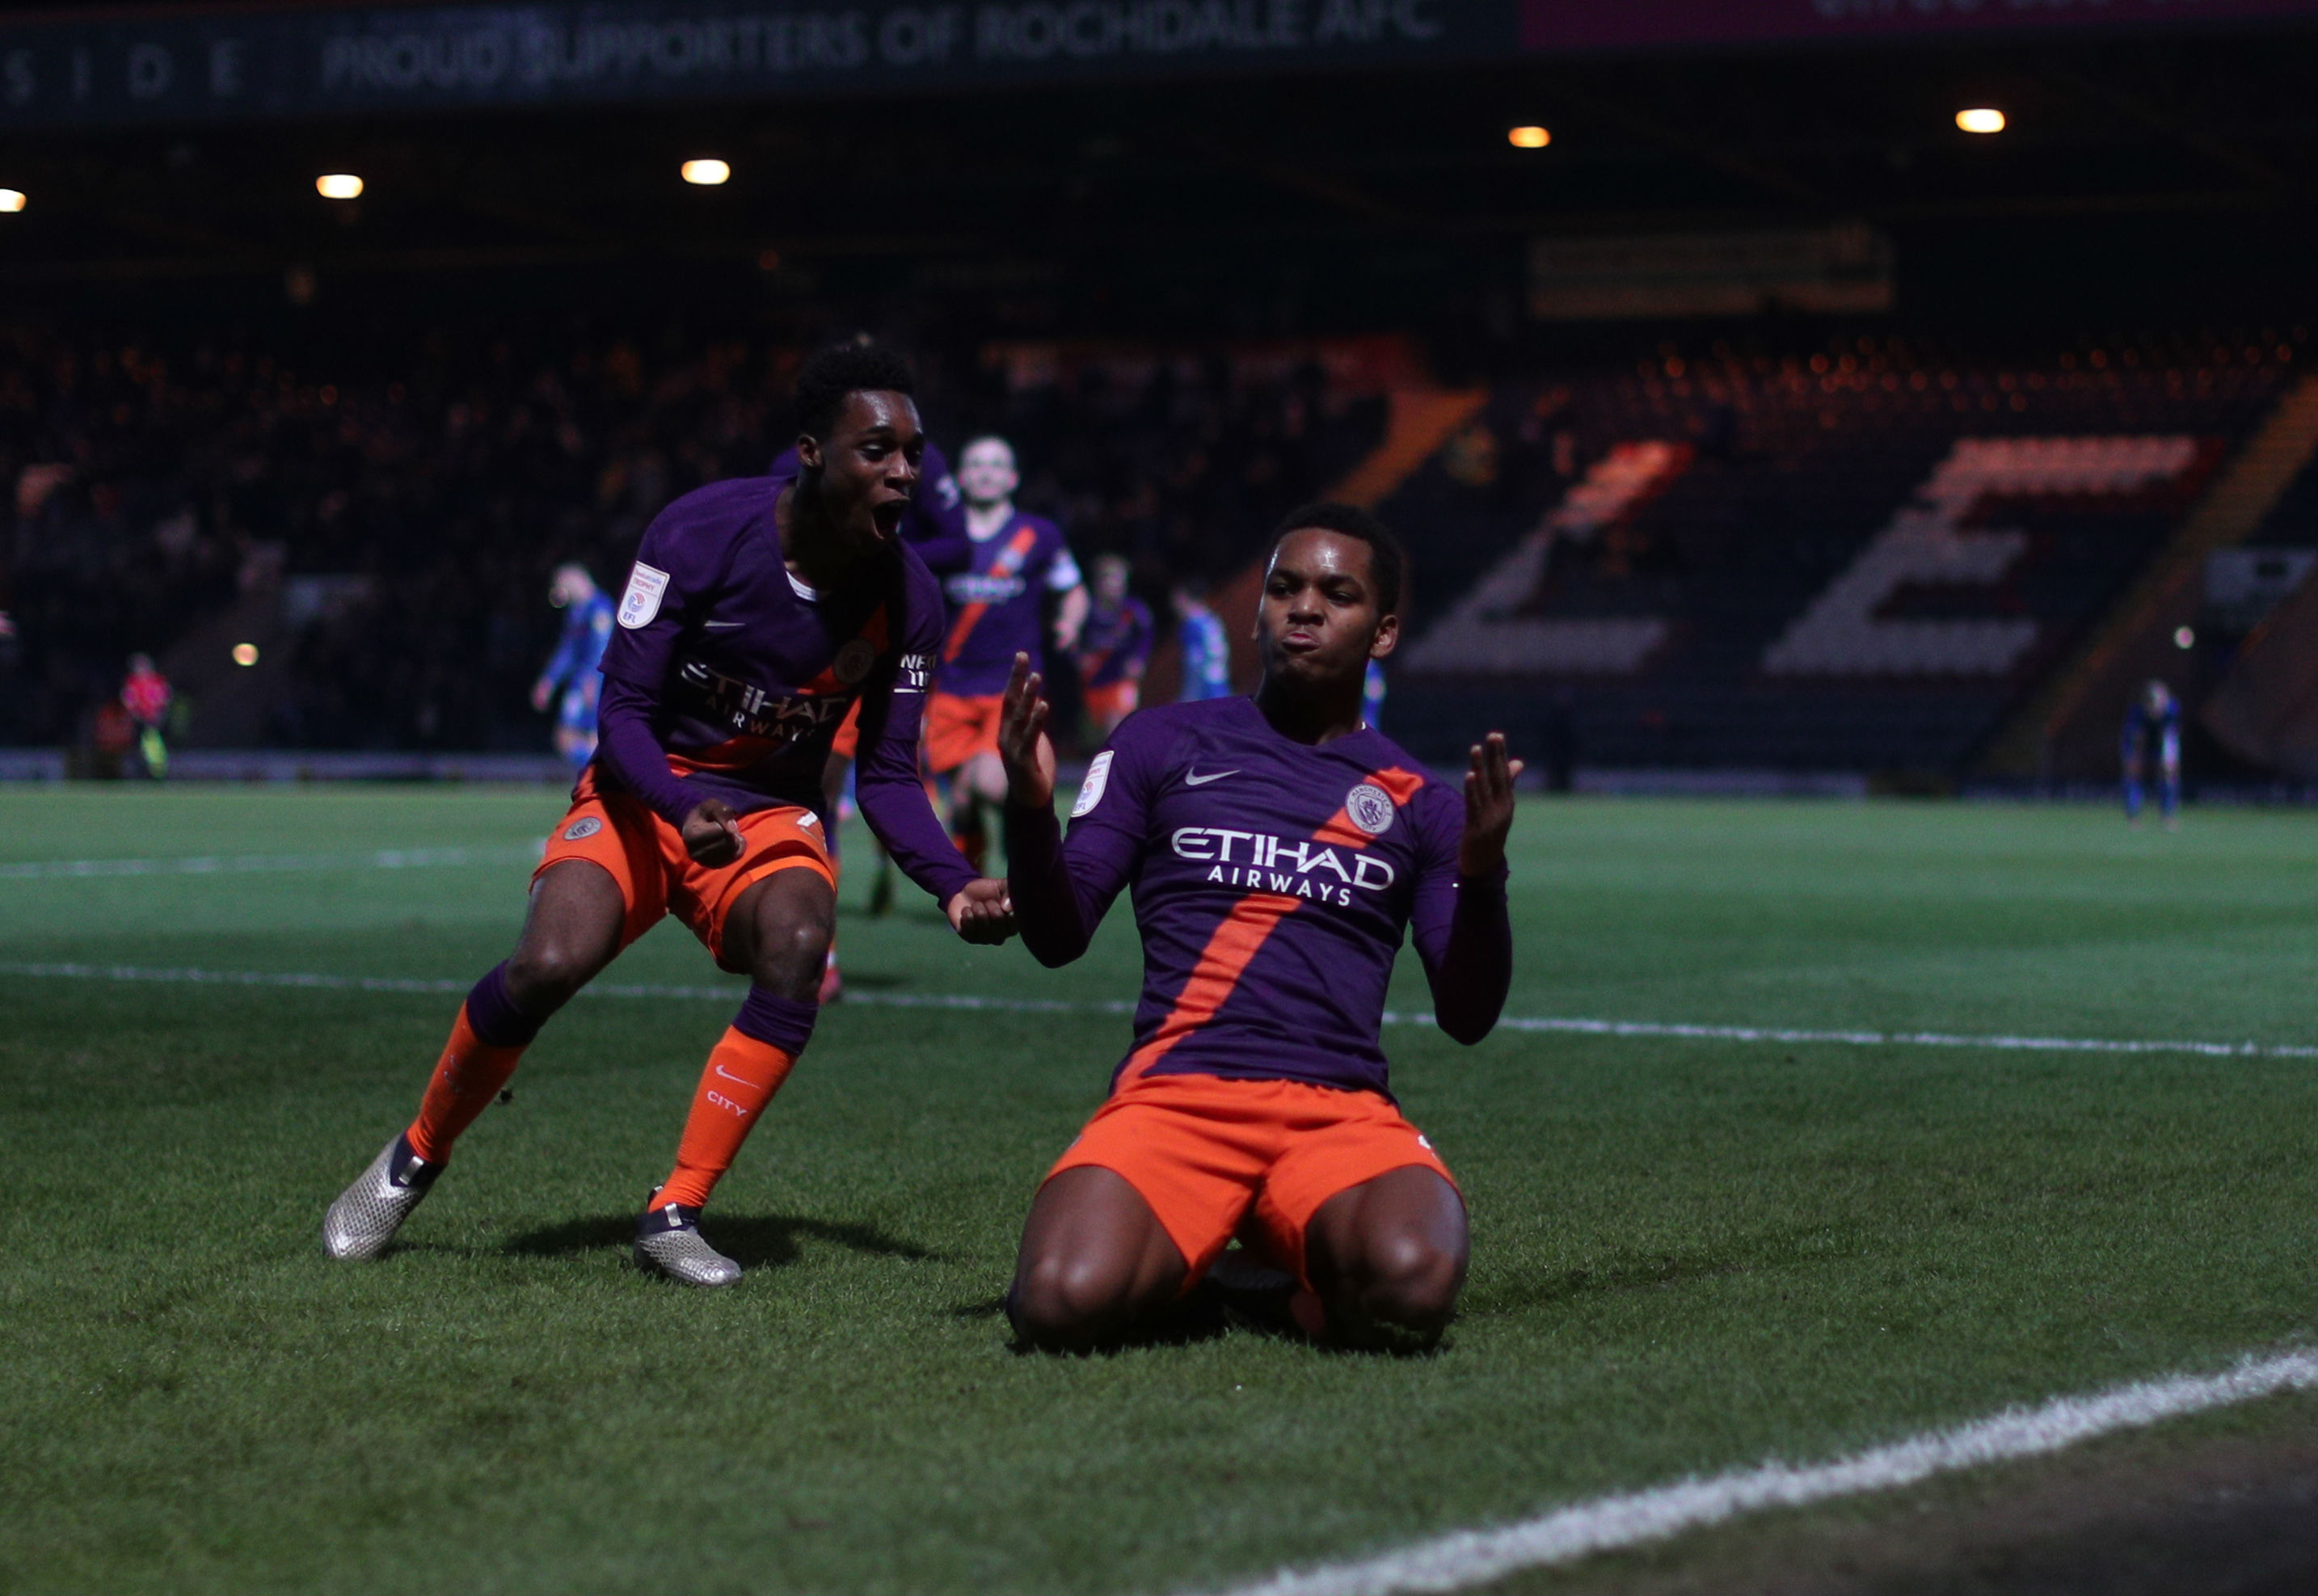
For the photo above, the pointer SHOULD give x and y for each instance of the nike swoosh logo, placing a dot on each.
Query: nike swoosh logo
(1192, 778)
(743, 1080)
(723, 625)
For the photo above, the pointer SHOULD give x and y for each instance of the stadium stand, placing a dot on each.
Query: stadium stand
(384, 540)
(1847, 555)
(1865, 557)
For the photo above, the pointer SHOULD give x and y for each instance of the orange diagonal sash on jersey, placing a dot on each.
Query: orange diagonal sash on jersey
(875, 632)
(1242, 933)
(1009, 561)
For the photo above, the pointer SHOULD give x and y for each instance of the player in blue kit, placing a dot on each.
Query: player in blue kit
(1278, 848)
(757, 613)
(575, 669)
(1203, 648)
(2150, 744)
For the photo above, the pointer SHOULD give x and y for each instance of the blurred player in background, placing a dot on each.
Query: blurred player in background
(146, 694)
(576, 666)
(1278, 851)
(2152, 737)
(1372, 691)
(757, 612)
(996, 605)
(1114, 647)
(1206, 651)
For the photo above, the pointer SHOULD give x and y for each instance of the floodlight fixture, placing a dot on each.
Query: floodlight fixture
(339, 186)
(244, 654)
(2184, 637)
(1529, 138)
(1980, 119)
(706, 174)
(12, 199)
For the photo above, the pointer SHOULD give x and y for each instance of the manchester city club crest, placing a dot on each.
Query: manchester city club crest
(580, 829)
(1369, 807)
(854, 660)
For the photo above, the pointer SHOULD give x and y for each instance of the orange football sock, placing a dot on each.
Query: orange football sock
(741, 1076)
(467, 1080)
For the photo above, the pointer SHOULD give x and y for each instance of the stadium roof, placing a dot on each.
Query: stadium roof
(1384, 180)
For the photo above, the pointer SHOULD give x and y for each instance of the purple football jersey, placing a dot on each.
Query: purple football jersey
(1114, 644)
(994, 604)
(1272, 883)
(743, 674)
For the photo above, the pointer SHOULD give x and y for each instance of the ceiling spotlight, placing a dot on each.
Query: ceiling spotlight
(1529, 138)
(707, 174)
(1980, 119)
(339, 186)
(10, 199)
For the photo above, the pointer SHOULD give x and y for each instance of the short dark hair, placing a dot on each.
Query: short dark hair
(829, 374)
(1387, 561)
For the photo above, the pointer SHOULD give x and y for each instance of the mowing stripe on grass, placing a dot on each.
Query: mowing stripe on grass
(1471, 1558)
(389, 858)
(969, 1001)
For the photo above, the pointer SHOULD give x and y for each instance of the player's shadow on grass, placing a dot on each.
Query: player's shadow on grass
(1788, 1246)
(875, 981)
(754, 1241)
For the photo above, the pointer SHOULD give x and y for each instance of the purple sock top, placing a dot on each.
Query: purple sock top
(492, 1016)
(776, 1021)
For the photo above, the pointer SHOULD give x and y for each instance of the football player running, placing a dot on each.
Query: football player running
(759, 611)
(1278, 848)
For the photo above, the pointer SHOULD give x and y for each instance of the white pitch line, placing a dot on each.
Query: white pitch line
(1469, 1557)
(391, 859)
(996, 1005)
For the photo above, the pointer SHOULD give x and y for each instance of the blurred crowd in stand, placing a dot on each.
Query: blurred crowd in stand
(390, 527)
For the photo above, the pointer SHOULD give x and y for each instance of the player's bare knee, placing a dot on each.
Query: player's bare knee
(1069, 1303)
(543, 975)
(788, 956)
(1410, 1282)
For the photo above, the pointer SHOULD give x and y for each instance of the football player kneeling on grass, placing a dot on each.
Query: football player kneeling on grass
(1279, 849)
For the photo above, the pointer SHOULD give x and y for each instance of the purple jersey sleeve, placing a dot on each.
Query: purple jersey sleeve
(624, 741)
(1462, 931)
(1063, 888)
(674, 568)
(887, 784)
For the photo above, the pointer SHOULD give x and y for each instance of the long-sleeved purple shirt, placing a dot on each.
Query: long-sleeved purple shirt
(1272, 883)
(727, 678)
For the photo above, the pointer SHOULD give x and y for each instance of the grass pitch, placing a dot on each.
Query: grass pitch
(1688, 1254)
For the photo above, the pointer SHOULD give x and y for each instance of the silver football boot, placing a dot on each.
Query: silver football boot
(368, 1213)
(669, 1242)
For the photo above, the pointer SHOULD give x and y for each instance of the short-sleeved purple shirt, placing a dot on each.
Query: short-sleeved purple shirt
(1272, 885)
(994, 604)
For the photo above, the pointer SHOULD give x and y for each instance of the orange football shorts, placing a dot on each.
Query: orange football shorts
(646, 856)
(1106, 707)
(1210, 1154)
(959, 726)
(847, 743)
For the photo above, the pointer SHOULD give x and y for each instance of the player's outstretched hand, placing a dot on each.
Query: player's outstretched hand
(1022, 742)
(1489, 808)
(712, 834)
(983, 912)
